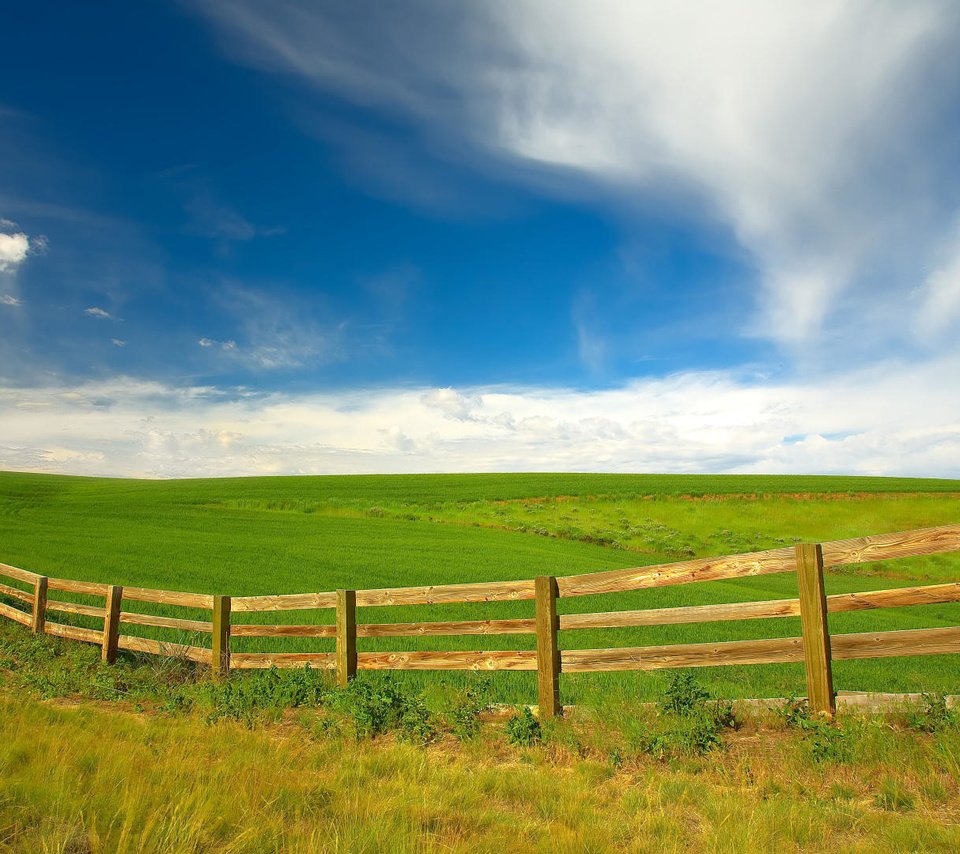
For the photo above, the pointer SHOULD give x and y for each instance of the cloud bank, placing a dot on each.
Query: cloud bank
(811, 132)
(892, 419)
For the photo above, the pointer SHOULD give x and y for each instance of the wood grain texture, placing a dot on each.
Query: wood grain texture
(90, 588)
(683, 572)
(39, 605)
(135, 619)
(486, 591)
(685, 614)
(220, 637)
(929, 594)
(18, 574)
(548, 650)
(923, 541)
(164, 649)
(256, 630)
(169, 597)
(16, 593)
(15, 614)
(111, 624)
(259, 660)
(346, 628)
(463, 660)
(767, 651)
(897, 643)
(285, 602)
(74, 608)
(74, 633)
(441, 629)
(816, 635)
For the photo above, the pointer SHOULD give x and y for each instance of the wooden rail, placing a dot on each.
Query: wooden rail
(816, 647)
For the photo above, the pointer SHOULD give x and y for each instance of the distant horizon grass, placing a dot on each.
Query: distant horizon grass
(244, 536)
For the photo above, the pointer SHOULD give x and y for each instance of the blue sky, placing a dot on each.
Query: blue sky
(244, 237)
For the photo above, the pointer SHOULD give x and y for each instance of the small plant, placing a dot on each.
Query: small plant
(933, 715)
(684, 696)
(828, 742)
(376, 707)
(794, 712)
(524, 730)
(463, 713)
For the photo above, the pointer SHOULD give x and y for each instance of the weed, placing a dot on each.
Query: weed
(933, 715)
(794, 712)
(684, 696)
(827, 741)
(893, 796)
(523, 729)
(375, 707)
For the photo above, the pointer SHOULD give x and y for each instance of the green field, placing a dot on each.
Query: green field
(299, 534)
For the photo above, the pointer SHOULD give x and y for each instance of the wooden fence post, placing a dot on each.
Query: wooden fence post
(346, 636)
(548, 650)
(111, 624)
(220, 639)
(39, 605)
(816, 634)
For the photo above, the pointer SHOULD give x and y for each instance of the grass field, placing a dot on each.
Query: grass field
(298, 534)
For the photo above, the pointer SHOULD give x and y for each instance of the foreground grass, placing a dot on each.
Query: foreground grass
(269, 535)
(83, 771)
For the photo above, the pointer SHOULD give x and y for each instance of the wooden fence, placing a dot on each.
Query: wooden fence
(816, 647)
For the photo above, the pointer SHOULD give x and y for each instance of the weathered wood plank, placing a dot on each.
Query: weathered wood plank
(16, 593)
(346, 636)
(768, 608)
(441, 629)
(256, 660)
(163, 649)
(438, 594)
(256, 630)
(463, 660)
(90, 588)
(135, 619)
(923, 541)
(74, 608)
(39, 605)
(896, 643)
(683, 572)
(816, 635)
(169, 597)
(220, 637)
(15, 614)
(19, 574)
(766, 651)
(74, 633)
(111, 624)
(548, 651)
(285, 602)
(684, 614)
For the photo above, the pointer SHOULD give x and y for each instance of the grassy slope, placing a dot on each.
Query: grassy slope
(268, 535)
(86, 779)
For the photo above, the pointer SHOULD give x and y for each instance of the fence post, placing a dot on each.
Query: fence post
(816, 634)
(39, 605)
(111, 624)
(548, 650)
(220, 639)
(346, 636)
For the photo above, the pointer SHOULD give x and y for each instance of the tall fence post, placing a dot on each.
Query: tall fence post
(39, 605)
(220, 639)
(816, 634)
(548, 649)
(111, 624)
(346, 636)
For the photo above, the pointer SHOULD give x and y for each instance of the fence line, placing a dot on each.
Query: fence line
(816, 647)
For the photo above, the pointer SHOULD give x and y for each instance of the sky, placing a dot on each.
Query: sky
(243, 237)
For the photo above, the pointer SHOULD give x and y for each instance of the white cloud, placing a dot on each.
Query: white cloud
(15, 246)
(95, 311)
(117, 342)
(9, 299)
(940, 294)
(813, 132)
(206, 342)
(890, 419)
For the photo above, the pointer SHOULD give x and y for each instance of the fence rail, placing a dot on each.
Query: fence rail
(816, 647)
